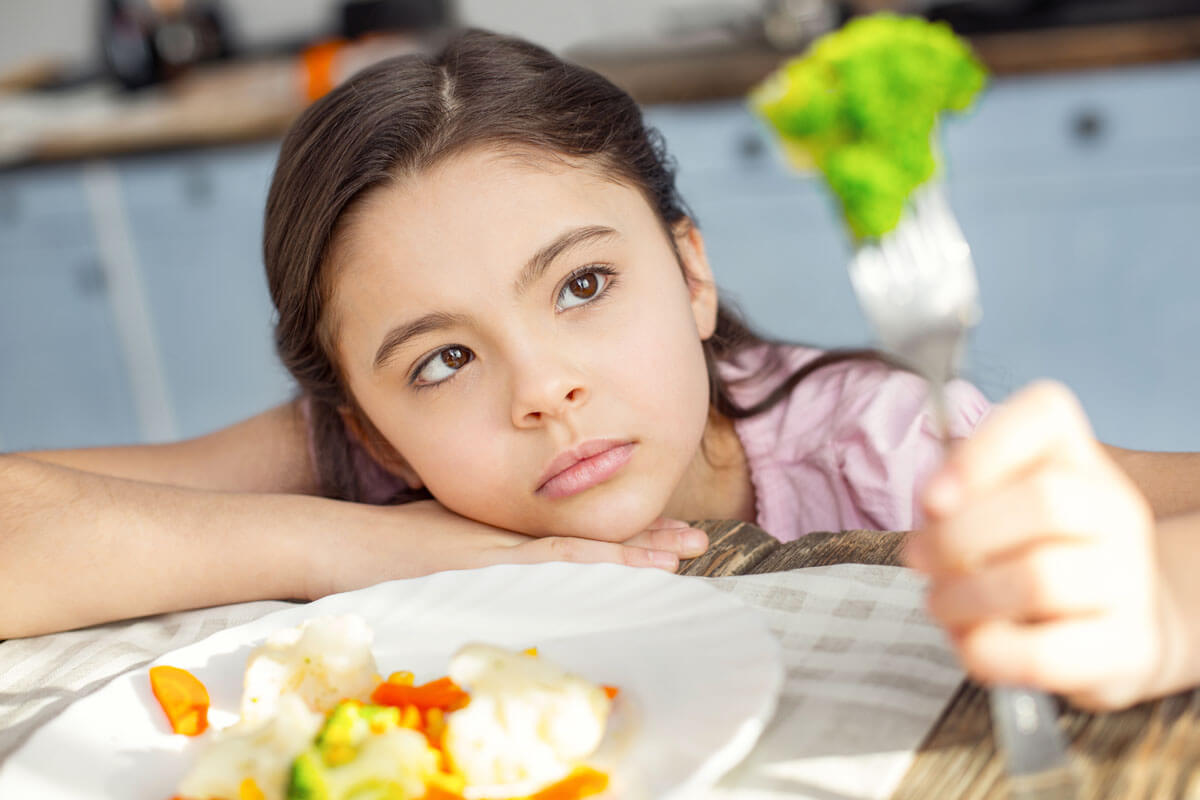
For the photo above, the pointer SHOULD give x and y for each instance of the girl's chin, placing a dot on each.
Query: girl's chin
(608, 521)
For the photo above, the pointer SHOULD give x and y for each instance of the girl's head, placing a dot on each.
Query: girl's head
(481, 267)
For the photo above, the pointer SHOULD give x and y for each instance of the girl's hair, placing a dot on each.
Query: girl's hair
(400, 117)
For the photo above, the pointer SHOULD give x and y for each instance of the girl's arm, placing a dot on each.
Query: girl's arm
(1179, 558)
(1170, 481)
(266, 453)
(88, 536)
(78, 548)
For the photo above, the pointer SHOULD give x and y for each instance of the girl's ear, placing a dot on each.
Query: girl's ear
(379, 448)
(689, 243)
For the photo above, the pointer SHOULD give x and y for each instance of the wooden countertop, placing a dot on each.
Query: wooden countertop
(258, 100)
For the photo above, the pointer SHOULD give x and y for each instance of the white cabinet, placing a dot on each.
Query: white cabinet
(62, 376)
(182, 235)
(196, 220)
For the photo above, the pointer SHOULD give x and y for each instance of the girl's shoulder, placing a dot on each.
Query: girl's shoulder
(847, 447)
(845, 400)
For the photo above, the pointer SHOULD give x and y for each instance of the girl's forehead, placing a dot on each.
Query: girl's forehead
(457, 235)
(485, 208)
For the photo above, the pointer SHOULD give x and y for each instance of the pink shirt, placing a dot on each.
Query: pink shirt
(850, 447)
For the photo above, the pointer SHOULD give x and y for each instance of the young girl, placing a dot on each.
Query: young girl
(509, 348)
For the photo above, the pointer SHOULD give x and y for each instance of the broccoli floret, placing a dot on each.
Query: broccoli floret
(862, 104)
(364, 753)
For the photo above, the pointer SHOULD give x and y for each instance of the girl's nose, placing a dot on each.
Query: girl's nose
(548, 395)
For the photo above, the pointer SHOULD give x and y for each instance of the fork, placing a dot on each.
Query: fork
(917, 287)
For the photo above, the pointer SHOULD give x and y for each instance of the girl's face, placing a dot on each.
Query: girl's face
(499, 318)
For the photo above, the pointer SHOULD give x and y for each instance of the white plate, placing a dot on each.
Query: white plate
(699, 671)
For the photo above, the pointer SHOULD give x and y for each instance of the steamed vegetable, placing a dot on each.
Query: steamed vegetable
(861, 104)
(183, 698)
(364, 753)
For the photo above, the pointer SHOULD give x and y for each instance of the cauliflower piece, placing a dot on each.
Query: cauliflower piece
(527, 725)
(261, 752)
(363, 753)
(325, 660)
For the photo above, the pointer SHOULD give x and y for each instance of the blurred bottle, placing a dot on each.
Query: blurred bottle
(145, 42)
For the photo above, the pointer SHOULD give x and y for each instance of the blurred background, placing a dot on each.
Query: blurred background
(137, 140)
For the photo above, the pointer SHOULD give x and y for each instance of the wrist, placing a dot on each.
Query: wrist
(1178, 553)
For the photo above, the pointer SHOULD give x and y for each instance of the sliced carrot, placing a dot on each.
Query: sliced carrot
(438, 793)
(442, 693)
(183, 698)
(582, 782)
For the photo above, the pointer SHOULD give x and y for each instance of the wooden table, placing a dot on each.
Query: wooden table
(1149, 751)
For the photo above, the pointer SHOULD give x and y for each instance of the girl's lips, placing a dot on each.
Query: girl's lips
(588, 472)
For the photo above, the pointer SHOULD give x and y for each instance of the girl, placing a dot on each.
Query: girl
(509, 348)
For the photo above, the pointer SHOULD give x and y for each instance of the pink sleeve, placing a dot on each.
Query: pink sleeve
(887, 442)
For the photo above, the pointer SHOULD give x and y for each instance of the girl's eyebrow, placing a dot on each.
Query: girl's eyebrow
(543, 258)
(397, 336)
(530, 273)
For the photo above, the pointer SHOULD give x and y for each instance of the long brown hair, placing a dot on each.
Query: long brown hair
(405, 114)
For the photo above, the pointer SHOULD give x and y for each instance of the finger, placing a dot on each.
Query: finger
(1042, 421)
(1047, 581)
(1048, 504)
(683, 541)
(666, 522)
(591, 551)
(1091, 659)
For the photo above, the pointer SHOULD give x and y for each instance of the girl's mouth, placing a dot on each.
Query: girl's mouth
(587, 466)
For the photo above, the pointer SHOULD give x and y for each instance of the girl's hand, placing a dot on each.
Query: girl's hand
(423, 537)
(1041, 557)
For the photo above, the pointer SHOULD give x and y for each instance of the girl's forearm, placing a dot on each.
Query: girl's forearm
(1170, 481)
(78, 548)
(1179, 560)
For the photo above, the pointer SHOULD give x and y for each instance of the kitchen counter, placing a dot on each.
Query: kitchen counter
(686, 75)
(258, 100)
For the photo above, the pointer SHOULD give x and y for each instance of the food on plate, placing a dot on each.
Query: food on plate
(364, 751)
(253, 759)
(183, 698)
(324, 661)
(318, 723)
(861, 104)
(528, 723)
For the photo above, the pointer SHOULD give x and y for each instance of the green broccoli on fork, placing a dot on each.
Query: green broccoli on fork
(862, 103)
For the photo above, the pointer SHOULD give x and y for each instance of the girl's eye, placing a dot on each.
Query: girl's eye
(583, 287)
(442, 365)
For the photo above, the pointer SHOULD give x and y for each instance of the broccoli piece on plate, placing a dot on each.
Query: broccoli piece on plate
(862, 104)
(363, 752)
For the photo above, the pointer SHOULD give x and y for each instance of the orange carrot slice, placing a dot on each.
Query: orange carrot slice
(582, 782)
(183, 698)
(442, 693)
(611, 691)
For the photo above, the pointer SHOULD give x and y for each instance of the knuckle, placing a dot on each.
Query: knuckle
(1043, 581)
(1053, 495)
(1040, 665)
(975, 660)
(664, 539)
(943, 545)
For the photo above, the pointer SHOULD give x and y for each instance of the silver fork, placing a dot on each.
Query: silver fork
(917, 287)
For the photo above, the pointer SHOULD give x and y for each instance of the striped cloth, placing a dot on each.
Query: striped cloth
(867, 675)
